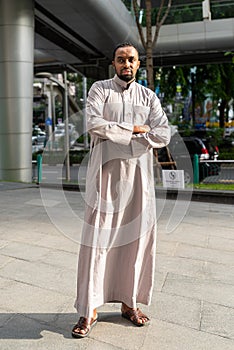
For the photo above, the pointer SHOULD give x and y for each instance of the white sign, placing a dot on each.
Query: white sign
(173, 178)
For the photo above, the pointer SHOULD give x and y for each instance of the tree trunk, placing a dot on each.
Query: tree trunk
(149, 43)
(222, 107)
(149, 47)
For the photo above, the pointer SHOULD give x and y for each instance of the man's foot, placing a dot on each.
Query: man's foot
(83, 327)
(134, 315)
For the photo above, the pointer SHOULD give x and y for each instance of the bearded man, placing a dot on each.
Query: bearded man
(117, 253)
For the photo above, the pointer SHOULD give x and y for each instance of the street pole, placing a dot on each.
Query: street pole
(84, 80)
(86, 142)
(66, 121)
(193, 99)
(53, 114)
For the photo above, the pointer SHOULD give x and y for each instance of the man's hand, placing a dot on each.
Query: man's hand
(140, 129)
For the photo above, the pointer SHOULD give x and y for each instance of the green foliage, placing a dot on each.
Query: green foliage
(217, 135)
(230, 53)
(190, 11)
(77, 79)
(219, 187)
(222, 9)
(76, 157)
(127, 3)
(58, 157)
(220, 80)
(228, 155)
(216, 80)
(81, 139)
(170, 77)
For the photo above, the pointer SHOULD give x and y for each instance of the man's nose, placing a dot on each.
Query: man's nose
(127, 63)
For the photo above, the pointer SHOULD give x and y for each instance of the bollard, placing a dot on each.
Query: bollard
(39, 168)
(196, 169)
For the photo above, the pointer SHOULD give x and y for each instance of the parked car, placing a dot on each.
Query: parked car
(38, 139)
(182, 151)
(38, 136)
(209, 141)
(212, 147)
(229, 135)
(229, 132)
(194, 146)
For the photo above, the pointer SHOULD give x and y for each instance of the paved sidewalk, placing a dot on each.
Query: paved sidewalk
(193, 300)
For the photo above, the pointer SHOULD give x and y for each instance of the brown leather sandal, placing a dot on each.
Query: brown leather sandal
(84, 325)
(135, 316)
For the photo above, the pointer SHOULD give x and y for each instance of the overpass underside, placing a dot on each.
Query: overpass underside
(82, 34)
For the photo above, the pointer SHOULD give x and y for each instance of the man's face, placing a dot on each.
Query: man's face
(126, 63)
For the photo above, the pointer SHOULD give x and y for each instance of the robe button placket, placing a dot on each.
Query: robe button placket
(127, 115)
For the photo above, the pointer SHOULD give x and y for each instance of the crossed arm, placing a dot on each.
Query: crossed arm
(140, 129)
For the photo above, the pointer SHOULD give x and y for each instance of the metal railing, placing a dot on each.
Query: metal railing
(199, 171)
(217, 171)
(191, 11)
(204, 171)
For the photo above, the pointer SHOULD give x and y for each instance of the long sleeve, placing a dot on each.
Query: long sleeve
(160, 132)
(98, 126)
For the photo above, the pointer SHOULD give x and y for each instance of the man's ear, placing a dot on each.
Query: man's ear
(139, 63)
(113, 63)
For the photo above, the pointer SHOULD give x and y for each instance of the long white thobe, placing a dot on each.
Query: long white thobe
(117, 254)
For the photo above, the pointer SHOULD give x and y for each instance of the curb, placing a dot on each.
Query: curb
(211, 196)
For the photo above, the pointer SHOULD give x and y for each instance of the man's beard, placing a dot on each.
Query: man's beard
(125, 77)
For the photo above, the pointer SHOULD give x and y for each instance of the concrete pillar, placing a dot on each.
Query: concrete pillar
(16, 89)
(206, 14)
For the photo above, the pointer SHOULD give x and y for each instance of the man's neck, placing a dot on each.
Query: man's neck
(129, 82)
(123, 83)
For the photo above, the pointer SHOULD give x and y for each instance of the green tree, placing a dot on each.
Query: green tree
(218, 80)
(170, 77)
(77, 79)
(149, 41)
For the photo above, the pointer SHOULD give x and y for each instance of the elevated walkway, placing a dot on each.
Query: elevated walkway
(196, 41)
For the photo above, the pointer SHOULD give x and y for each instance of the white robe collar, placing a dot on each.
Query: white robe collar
(121, 82)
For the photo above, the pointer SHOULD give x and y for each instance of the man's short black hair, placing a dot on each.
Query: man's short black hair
(123, 45)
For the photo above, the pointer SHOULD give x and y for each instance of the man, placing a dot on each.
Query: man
(116, 259)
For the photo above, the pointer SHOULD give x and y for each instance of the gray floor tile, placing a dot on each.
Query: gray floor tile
(169, 336)
(201, 289)
(218, 319)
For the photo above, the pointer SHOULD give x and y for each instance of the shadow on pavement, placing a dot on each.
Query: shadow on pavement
(33, 325)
